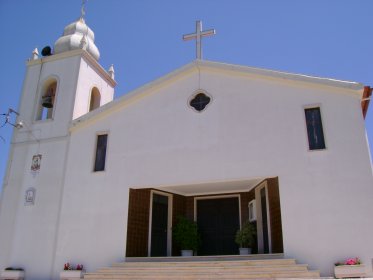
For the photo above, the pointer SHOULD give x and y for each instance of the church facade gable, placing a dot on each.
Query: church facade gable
(226, 70)
(253, 129)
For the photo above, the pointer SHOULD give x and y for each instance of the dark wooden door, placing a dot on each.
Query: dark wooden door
(159, 225)
(218, 221)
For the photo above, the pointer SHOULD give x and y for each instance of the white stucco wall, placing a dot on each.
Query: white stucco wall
(10, 199)
(88, 79)
(254, 127)
(34, 238)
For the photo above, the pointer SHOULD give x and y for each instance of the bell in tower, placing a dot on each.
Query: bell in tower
(47, 99)
(47, 102)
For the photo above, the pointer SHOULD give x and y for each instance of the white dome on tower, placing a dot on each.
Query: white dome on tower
(77, 35)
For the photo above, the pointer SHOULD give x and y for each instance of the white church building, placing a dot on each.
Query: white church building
(94, 180)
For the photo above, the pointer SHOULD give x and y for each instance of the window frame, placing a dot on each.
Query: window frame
(319, 107)
(95, 152)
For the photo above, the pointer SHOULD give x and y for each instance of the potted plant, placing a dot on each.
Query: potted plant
(245, 237)
(13, 273)
(185, 233)
(350, 268)
(69, 272)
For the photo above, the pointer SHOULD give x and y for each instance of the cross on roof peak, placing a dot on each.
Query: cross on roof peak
(82, 10)
(198, 36)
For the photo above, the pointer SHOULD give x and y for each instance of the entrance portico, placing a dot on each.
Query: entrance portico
(219, 209)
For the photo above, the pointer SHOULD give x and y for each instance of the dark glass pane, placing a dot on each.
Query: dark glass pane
(200, 101)
(100, 152)
(314, 129)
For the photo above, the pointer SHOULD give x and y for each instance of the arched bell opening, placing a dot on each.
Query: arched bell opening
(95, 100)
(48, 98)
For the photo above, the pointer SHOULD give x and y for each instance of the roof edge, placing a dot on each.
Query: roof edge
(366, 100)
(282, 75)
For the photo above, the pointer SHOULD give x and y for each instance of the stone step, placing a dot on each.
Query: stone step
(309, 274)
(205, 258)
(299, 267)
(210, 263)
(200, 268)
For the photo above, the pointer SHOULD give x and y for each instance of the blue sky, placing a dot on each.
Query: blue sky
(142, 38)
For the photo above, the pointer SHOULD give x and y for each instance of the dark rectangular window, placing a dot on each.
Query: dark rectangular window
(100, 152)
(314, 129)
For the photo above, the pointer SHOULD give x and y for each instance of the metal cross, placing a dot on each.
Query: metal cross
(198, 36)
(82, 10)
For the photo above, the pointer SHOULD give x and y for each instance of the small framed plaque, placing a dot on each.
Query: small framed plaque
(35, 164)
(30, 196)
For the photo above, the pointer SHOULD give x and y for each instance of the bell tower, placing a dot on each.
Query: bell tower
(61, 85)
(69, 77)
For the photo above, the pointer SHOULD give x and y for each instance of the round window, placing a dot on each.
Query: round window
(200, 101)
